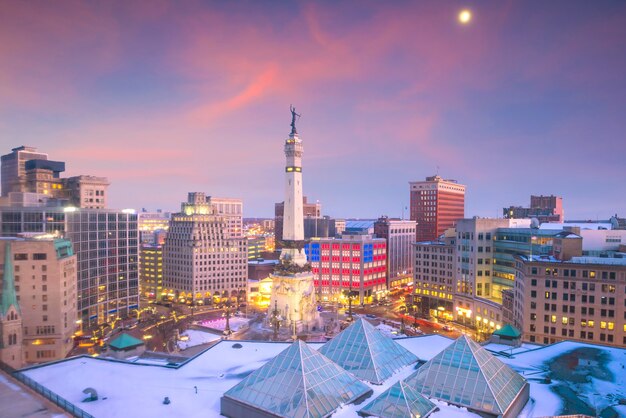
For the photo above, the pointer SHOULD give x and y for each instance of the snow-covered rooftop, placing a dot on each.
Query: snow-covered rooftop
(195, 388)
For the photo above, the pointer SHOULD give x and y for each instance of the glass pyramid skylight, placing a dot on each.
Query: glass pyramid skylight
(466, 374)
(300, 383)
(361, 349)
(399, 401)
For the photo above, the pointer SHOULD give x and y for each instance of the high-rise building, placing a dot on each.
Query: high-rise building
(400, 236)
(87, 191)
(543, 208)
(13, 170)
(434, 276)
(25, 170)
(105, 244)
(151, 271)
(151, 222)
(44, 278)
(203, 260)
(436, 205)
(355, 262)
(232, 210)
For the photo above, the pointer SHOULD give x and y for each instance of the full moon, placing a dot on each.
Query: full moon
(465, 16)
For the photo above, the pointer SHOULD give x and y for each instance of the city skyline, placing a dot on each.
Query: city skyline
(524, 99)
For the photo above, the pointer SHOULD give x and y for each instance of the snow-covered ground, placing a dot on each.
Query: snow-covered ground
(138, 390)
(388, 330)
(196, 337)
(235, 323)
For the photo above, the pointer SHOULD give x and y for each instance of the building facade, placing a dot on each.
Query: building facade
(13, 168)
(543, 208)
(150, 223)
(355, 262)
(45, 281)
(581, 299)
(87, 191)
(400, 236)
(436, 205)
(203, 261)
(106, 247)
(434, 277)
(151, 271)
(232, 210)
(25, 170)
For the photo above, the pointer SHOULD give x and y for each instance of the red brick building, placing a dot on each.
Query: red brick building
(436, 205)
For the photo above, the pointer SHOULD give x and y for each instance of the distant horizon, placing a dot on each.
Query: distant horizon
(166, 98)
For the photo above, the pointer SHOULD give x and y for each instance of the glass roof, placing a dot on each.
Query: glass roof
(399, 401)
(300, 383)
(468, 375)
(362, 350)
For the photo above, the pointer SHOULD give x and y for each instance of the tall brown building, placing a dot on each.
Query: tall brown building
(436, 205)
(544, 208)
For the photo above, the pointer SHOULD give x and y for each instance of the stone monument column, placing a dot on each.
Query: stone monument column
(292, 289)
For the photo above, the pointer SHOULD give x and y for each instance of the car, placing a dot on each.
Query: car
(371, 316)
(447, 328)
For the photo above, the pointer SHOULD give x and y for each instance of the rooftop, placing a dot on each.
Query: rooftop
(138, 390)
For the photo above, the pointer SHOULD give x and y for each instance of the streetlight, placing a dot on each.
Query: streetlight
(227, 330)
(275, 320)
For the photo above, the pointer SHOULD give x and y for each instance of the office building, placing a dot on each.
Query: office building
(87, 191)
(203, 261)
(43, 273)
(400, 236)
(436, 205)
(13, 168)
(581, 299)
(25, 170)
(355, 262)
(232, 210)
(434, 277)
(543, 208)
(151, 271)
(150, 223)
(256, 247)
(105, 244)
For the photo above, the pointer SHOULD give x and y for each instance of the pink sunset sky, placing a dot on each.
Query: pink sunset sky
(169, 97)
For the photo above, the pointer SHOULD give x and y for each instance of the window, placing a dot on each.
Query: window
(20, 257)
(40, 256)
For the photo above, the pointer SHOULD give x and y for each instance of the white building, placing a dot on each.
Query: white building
(203, 262)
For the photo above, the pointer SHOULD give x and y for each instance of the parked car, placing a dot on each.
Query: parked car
(371, 316)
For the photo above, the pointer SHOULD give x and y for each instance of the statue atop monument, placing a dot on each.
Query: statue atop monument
(293, 119)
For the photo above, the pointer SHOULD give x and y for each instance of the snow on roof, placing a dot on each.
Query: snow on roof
(138, 390)
(581, 225)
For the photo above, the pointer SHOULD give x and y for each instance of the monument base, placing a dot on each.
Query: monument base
(294, 297)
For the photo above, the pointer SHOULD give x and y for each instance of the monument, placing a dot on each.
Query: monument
(293, 291)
